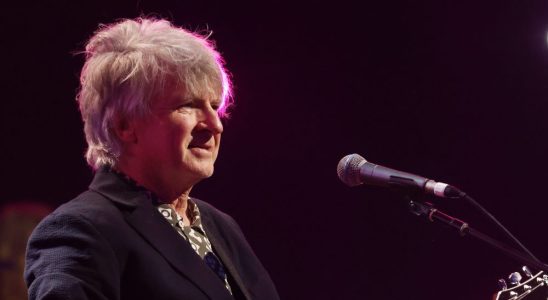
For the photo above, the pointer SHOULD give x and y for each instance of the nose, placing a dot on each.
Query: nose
(212, 120)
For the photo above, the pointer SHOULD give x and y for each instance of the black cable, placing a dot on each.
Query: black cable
(499, 224)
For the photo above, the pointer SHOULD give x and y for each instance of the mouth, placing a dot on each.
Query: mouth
(201, 150)
(201, 147)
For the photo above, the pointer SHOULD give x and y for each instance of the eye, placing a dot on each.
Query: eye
(216, 105)
(186, 105)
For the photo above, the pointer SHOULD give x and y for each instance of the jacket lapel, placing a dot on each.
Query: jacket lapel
(220, 248)
(146, 220)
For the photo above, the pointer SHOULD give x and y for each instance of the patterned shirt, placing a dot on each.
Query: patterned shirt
(194, 234)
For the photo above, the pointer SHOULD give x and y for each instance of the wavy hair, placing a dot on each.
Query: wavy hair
(131, 62)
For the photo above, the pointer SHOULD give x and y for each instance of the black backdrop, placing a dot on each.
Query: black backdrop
(453, 90)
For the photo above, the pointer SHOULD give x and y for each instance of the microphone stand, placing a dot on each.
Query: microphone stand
(432, 214)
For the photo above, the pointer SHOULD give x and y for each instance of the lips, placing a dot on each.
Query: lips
(199, 146)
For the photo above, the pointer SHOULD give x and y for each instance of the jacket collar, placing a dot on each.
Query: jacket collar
(119, 190)
(152, 226)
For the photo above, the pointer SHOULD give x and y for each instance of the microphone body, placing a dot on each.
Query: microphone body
(354, 170)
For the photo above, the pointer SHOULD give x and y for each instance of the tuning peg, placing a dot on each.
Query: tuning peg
(502, 284)
(526, 271)
(514, 278)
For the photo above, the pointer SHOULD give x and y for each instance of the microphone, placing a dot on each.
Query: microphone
(354, 170)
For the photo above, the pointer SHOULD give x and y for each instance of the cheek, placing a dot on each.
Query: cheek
(179, 136)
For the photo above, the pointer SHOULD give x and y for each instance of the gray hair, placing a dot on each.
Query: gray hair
(128, 64)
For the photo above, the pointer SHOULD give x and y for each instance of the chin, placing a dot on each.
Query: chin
(204, 172)
(209, 173)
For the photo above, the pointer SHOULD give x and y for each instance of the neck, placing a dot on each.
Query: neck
(168, 190)
(177, 198)
(181, 207)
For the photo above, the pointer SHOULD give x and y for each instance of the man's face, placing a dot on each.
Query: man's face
(181, 138)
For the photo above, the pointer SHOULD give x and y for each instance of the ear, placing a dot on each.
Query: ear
(125, 129)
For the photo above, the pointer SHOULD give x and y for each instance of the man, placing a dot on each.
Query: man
(151, 99)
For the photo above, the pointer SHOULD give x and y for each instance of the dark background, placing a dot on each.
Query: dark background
(451, 90)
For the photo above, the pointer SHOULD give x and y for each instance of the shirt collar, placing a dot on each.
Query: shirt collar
(175, 219)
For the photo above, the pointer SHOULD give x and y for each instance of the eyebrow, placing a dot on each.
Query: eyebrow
(188, 99)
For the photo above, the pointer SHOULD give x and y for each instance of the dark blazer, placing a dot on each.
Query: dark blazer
(110, 242)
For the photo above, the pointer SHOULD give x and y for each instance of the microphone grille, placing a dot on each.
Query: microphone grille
(348, 169)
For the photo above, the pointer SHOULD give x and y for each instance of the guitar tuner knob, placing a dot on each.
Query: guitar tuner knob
(527, 272)
(515, 278)
(502, 284)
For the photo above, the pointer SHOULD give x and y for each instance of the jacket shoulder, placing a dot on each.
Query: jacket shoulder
(68, 252)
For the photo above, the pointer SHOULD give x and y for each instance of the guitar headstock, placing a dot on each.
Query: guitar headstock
(534, 287)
